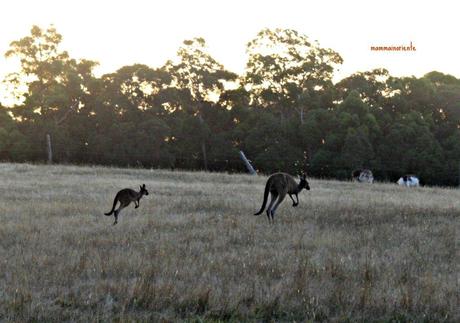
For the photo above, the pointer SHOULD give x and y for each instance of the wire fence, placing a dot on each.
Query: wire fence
(387, 169)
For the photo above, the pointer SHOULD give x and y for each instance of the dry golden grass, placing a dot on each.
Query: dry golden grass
(193, 249)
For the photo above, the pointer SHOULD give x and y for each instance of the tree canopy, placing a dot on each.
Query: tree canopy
(284, 112)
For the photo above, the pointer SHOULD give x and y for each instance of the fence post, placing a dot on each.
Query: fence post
(48, 148)
(247, 163)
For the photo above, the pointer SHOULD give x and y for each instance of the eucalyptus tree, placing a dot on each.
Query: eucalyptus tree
(204, 79)
(14, 146)
(53, 86)
(286, 71)
(372, 86)
(55, 83)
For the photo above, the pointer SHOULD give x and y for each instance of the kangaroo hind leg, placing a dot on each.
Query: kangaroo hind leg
(273, 196)
(278, 202)
(117, 211)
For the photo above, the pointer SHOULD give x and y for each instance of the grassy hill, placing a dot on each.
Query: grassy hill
(193, 249)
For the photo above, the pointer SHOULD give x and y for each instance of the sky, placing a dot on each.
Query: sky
(118, 33)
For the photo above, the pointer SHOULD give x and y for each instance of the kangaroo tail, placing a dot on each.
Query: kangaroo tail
(267, 189)
(113, 207)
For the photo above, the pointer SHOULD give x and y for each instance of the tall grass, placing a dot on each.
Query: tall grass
(193, 249)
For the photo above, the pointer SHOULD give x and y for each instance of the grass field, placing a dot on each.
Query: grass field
(194, 251)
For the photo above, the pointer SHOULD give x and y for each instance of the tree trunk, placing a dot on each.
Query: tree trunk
(205, 158)
(48, 149)
(203, 146)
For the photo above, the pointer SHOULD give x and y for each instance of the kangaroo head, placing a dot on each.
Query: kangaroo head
(143, 190)
(303, 182)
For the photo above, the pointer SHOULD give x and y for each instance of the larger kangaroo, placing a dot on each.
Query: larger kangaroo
(279, 185)
(125, 197)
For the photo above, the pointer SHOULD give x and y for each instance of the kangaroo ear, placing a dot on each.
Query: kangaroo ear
(143, 185)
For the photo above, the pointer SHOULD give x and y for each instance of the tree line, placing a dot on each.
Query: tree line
(284, 112)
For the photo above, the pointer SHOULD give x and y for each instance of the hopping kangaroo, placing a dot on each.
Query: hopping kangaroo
(125, 197)
(278, 185)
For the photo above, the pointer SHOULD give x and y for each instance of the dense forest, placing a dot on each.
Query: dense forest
(284, 112)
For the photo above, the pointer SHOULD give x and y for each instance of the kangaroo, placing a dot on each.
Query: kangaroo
(125, 197)
(362, 176)
(278, 185)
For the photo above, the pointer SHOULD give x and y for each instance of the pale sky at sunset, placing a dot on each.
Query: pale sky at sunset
(118, 33)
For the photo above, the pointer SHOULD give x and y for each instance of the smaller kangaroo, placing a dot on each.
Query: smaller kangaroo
(278, 185)
(125, 197)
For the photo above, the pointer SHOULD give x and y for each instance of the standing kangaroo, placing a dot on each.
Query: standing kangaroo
(278, 185)
(125, 197)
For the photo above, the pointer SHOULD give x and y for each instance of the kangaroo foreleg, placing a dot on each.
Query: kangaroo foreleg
(136, 203)
(294, 203)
